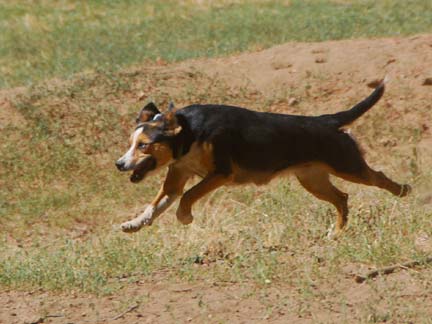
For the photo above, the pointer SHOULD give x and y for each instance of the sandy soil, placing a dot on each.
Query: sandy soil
(336, 72)
(162, 302)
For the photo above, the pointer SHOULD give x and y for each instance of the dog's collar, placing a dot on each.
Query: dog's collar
(140, 125)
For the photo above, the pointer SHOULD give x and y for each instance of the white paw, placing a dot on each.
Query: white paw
(129, 227)
(135, 225)
(331, 233)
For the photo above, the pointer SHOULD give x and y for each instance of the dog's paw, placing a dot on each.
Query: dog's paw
(135, 225)
(129, 227)
(333, 233)
(406, 189)
(184, 217)
(330, 232)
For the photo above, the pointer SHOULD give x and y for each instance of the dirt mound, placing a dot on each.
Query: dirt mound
(335, 65)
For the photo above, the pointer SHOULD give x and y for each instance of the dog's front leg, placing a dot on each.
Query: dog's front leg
(171, 189)
(153, 210)
(208, 184)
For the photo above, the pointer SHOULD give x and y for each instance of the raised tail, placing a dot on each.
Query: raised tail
(348, 116)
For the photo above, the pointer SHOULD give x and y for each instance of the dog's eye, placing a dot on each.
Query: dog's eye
(142, 146)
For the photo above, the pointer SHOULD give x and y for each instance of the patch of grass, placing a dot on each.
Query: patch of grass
(54, 39)
(265, 234)
(255, 242)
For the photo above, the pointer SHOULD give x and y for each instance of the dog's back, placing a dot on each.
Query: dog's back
(268, 142)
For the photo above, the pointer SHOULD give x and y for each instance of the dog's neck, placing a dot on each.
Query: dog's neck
(182, 142)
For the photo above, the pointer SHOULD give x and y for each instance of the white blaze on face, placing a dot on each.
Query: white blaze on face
(128, 157)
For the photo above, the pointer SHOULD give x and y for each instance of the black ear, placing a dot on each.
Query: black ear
(171, 107)
(147, 113)
(171, 125)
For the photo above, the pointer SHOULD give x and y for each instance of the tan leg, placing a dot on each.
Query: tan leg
(376, 178)
(208, 184)
(317, 182)
(170, 190)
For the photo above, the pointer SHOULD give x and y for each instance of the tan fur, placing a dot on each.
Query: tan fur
(316, 180)
(173, 185)
(208, 184)
(160, 151)
(378, 179)
(199, 160)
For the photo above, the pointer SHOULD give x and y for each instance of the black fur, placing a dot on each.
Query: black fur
(149, 110)
(271, 142)
(346, 117)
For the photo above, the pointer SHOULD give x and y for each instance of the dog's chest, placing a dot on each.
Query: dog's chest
(199, 159)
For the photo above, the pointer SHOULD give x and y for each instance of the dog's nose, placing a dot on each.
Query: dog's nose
(120, 165)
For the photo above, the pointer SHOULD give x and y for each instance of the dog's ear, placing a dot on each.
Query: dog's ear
(171, 126)
(147, 113)
(171, 107)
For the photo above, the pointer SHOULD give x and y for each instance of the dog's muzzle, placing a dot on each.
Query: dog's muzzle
(140, 170)
(120, 165)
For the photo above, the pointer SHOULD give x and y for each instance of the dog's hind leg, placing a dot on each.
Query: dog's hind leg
(378, 179)
(169, 192)
(317, 182)
(350, 165)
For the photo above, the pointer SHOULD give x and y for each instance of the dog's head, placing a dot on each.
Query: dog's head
(150, 147)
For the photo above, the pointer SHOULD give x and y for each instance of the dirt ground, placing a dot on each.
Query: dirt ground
(336, 69)
(162, 302)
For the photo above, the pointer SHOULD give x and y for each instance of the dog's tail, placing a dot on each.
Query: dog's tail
(348, 116)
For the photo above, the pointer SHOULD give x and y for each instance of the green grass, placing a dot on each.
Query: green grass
(62, 196)
(47, 39)
(264, 241)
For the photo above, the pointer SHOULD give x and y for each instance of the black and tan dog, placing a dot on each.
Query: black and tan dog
(231, 145)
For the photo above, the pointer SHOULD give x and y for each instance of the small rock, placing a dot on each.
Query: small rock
(427, 81)
(141, 96)
(280, 65)
(390, 61)
(320, 60)
(36, 320)
(292, 101)
(161, 62)
(318, 50)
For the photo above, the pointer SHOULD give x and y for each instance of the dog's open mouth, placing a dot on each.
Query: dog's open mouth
(142, 168)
